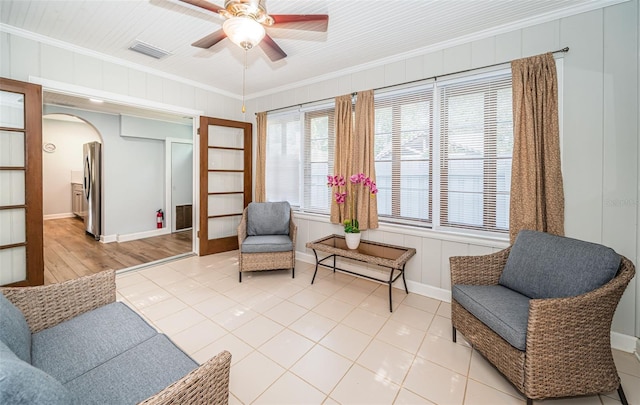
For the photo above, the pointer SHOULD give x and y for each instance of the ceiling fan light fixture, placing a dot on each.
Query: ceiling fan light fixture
(244, 31)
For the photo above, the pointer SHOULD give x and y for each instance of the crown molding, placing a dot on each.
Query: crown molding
(111, 59)
(520, 24)
(501, 29)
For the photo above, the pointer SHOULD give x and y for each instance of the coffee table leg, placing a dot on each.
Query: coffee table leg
(390, 282)
(334, 263)
(404, 281)
(315, 272)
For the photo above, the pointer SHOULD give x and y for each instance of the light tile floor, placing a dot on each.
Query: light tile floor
(333, 342)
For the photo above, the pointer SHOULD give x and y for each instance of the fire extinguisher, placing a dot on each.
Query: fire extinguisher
(159, 218)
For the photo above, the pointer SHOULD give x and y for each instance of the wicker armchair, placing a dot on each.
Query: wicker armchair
(568, 348)
(46, 306)
(271, 244)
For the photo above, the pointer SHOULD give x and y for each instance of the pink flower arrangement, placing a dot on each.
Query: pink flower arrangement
(338, 181)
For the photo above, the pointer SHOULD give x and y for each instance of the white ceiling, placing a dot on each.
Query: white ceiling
(360, 33)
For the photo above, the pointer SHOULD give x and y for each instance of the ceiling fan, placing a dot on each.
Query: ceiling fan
(245, 22)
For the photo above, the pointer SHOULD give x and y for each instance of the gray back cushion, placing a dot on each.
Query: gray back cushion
(23, 384)
(541, 265)
(268, 218)
(14, 331)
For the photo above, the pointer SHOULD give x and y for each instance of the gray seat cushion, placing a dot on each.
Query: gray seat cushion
(503, 310)
(133, 376)
(23, 384)
(267, 244)
(78, 345)
(268, 218)
(541, 265)
(14, 331)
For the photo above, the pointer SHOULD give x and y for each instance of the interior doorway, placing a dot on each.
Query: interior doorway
(68, 251)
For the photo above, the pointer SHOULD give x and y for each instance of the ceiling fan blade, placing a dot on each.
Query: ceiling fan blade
(307, 22)
(204, 4)
(273, 51)
(210, 40)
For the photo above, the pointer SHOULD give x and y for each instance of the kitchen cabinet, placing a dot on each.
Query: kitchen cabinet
(77, 200)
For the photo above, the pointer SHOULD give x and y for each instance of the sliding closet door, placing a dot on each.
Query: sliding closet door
(225, 182)
(21, 257)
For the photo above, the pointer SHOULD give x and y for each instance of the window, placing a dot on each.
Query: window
(283, 158)
(403, 154)
(295, 173)
(442, 154)
(318, 159)
(476, 144)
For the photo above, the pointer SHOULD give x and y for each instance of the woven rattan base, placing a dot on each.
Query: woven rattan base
(506, 358)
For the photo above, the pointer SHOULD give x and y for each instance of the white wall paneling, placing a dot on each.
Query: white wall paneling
(599, 136)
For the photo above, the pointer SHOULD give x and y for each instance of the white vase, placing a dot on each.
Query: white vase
(352, 239)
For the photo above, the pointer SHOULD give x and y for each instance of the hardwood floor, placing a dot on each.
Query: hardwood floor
(70, 253)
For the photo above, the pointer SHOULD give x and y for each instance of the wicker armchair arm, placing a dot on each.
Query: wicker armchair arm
(48, 305)
(478, 270)
(208, 384)
(568, 336)
(242, 228)
(293, 231)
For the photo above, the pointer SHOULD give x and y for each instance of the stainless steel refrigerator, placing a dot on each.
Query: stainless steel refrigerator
(92, 162)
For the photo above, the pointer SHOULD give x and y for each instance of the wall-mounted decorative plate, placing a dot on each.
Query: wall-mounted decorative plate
(49, 147)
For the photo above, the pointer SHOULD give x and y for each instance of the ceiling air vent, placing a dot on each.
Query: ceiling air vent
(148, 50)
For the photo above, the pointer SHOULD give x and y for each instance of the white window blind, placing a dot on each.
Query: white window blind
(283, 160)
(403, 154)
(319, 143)
(442, 154)
(476, 144)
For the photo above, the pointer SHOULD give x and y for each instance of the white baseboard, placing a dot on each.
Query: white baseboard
(108, 238)
(624, 342)
(134, 236)
(619, 341)
(58, 216)
(413, 286)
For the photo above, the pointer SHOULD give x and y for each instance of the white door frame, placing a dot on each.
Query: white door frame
(168, 154)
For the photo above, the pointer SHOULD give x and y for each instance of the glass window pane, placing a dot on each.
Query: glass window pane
(283, 160)
(225, 159)
(12, 226)
(223, 227)
(228, 137)
(11, 149)
(383, 181)
(319, 193)
(225, 204)
(465, 208)
(466, 175)
(12, 187)
(13, 265)
(502, 212)
(414, 190)
(11, 110)
(221, 182)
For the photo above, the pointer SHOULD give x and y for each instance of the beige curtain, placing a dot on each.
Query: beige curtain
(261, 157)
(537, 196)
(364, 159)
(342, 157)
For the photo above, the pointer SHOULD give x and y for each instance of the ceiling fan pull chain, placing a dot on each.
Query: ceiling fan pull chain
(244, 74)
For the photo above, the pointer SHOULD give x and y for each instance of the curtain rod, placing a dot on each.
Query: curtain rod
(563, 50)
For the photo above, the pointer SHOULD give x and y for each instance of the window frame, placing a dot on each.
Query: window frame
(435, 167)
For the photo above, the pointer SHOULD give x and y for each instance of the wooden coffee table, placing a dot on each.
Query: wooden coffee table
(386, 256)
